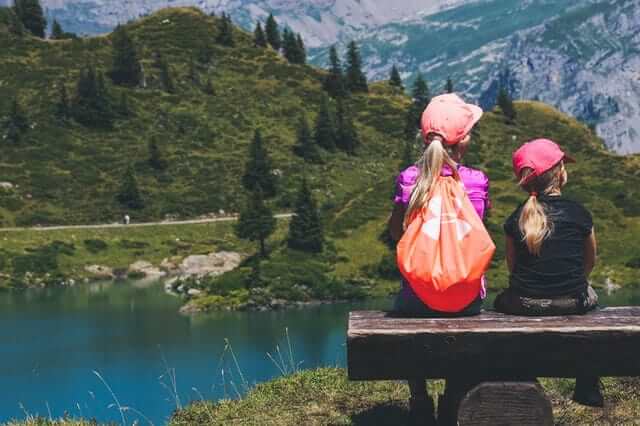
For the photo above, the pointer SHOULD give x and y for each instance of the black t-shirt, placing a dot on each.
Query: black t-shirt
(559, 270)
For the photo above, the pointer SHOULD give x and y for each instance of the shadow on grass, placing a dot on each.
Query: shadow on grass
(381, 415)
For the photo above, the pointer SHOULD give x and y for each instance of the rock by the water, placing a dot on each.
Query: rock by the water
(7, 186)
(194, 292)
(213, 264)
(171, 265)
(100, 272)
(146, 268)
(610, 286)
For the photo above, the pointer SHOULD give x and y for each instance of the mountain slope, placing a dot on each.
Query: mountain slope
(578, 56)
(71, 173)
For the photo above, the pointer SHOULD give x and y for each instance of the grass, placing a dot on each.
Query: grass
(114, 247)
(326, 397)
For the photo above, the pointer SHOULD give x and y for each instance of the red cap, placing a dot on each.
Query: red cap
(540, 155)
(450, 117)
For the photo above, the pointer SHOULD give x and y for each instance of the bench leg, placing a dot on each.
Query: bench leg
(421, 410)
(506, 403)
(448, 403)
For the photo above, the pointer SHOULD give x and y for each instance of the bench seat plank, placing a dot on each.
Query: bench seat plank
(605, 342)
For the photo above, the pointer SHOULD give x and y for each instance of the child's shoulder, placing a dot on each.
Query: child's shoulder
(473, 176)
(472, 171)
(574, 207)
(409, 176)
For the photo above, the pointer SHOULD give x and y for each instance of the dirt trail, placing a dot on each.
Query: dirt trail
(136, 225)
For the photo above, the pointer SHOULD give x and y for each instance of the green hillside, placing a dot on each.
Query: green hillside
(71, 174)
(68, 173)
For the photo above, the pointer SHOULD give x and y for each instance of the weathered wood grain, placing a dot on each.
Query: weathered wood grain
(605, 342)
(506, 404)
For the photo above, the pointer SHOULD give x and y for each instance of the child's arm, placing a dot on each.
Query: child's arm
(590, 253)
(396, 222)
(510, 253)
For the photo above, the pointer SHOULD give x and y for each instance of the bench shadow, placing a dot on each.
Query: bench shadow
(381, 415)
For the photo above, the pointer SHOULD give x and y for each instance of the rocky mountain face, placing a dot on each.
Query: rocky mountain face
(586, 63)
(580, 56)
(321, 22)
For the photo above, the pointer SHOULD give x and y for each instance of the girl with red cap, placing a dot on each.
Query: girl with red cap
(446, 125)
(550, 248)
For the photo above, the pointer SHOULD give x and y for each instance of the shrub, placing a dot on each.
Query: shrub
(95, 246)
(388, 267)
(130, 245)
(633, 263)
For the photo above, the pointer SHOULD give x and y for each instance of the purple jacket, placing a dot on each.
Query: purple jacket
(475, 182)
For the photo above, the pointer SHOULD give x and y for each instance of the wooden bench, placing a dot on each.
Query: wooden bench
(605, 342)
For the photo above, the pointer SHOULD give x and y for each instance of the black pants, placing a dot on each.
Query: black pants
(511, 303)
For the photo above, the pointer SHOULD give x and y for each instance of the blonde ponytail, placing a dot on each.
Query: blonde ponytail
(433, 160)
(534, 222)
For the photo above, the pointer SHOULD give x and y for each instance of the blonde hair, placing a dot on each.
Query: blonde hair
(534, 222)
(434, 158)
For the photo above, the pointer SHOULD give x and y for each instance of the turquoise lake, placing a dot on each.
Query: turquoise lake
(78, 350)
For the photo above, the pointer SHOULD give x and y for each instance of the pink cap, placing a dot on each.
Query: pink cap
(540, 155)
(450, 117)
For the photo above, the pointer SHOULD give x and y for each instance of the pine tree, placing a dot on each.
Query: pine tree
(126, 70)
(421, 98)
(129, 195)
(225, 31)
(30, 13)
(324, 132)
(165, 75)
(505, 103)
(305, 229)
(58, 34)
(288, 45)
(17, 123)
(302, 50)
(273, 33)
(92, 105)
(394, 79)
(255, 278)
(334, 83)
(259, 38)
(123, 105)
(155, 156)
(14, 24)
(194, 77)
(346, 134)
(204, 54)
(256, 221)
(208, 87)
(449, 86)
(408, 155)
(293, 48)
(258, 169)
(56, 31)
(306, 145)
(63, 107)
(355, 78)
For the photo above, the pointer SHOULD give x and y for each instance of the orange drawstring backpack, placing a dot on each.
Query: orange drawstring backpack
(446, 249)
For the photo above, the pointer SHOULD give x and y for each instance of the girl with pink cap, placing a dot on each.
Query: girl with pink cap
(550, 248)
(446, 125)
